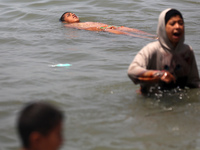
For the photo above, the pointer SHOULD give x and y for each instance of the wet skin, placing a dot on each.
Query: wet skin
(73, 22)
(71, 18)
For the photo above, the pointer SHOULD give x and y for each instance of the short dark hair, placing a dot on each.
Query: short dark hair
(62, 18)
(172, 13)
(38, 116)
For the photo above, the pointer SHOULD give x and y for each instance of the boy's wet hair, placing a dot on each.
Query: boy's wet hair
(62, 18)
(37, 117)
(172, 13)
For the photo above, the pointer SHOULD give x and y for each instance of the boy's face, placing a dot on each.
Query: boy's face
(175, 29)
(51, 141)
(54, 139)
(71, 18)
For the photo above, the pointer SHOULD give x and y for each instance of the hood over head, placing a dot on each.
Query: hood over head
(161, 32)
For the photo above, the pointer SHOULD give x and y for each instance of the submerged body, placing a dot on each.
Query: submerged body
(72, 21)
(168, 62)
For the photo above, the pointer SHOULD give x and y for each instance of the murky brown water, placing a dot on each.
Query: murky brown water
(103, 110)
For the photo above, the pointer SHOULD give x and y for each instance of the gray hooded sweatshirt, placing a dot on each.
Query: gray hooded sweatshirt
(162, 55)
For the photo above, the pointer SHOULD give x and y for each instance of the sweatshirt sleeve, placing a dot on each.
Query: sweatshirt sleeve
(139, 64)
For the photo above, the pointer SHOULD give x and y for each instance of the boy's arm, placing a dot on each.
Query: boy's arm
(139, 73)
(154, 76)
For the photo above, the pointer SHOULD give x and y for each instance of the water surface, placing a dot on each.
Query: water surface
(103, 109)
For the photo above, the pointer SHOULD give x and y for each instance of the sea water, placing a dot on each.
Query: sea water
(102, 107)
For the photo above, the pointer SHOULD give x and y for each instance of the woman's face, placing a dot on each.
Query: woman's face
(175, 29)
(71, 18)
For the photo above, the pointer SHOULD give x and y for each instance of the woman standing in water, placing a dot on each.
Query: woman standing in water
(167, 63)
